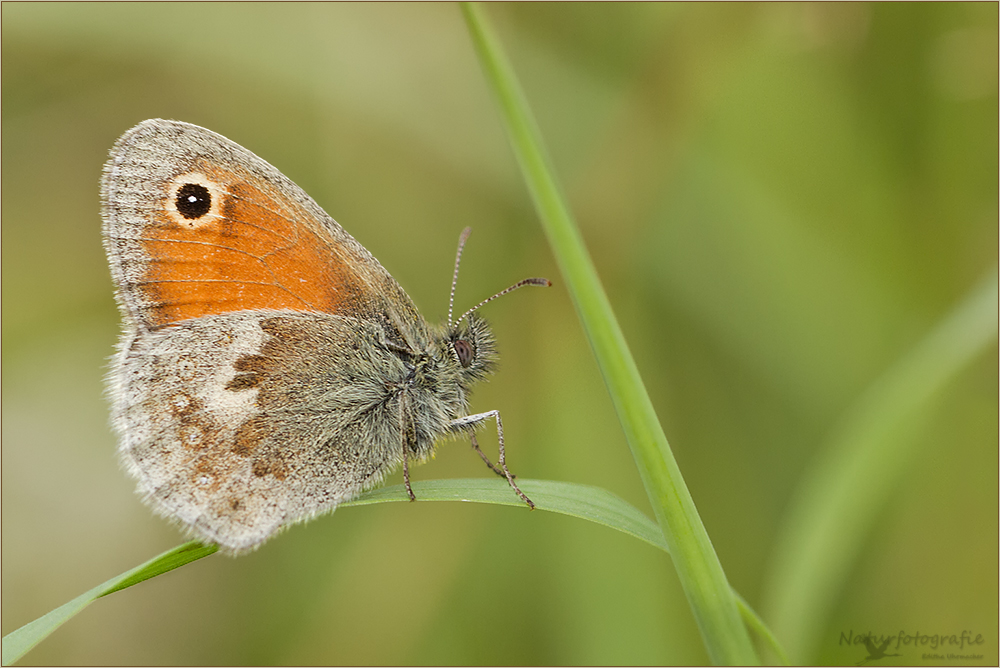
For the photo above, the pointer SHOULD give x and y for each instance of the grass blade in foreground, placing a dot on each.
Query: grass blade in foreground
(583, 501)
(17, 643)
(589, 503)
(839, 498)
(698, 567)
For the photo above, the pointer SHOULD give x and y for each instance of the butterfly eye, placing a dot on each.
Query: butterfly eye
(193, 200)
(464, 351)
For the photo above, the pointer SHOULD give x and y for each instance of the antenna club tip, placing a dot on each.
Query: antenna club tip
(543, 282)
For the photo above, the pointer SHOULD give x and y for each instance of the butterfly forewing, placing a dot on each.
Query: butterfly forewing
(196, 225)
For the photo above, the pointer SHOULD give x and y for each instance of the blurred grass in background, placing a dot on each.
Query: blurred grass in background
(782, 200)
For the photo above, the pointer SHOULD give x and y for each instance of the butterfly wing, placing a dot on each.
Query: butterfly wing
(253, 385)
(240, 424)
(196, 225)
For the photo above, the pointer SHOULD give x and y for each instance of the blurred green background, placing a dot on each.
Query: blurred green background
(782, 199)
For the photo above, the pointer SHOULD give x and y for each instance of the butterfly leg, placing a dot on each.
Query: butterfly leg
(475, 446)
(406, 445)
(406, 475)
(476, 419)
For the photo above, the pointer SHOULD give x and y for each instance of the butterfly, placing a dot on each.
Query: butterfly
(269, 367)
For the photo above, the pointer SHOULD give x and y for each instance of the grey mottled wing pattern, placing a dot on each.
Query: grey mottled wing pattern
(237, 425)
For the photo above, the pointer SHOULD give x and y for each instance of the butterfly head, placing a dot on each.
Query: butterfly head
(469, 338)
(471, 345)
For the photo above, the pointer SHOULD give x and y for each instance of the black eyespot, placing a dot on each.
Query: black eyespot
(464, 351)
(193, 200)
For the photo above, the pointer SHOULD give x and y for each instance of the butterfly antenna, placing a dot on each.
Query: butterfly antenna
(543, 282)
(454, 277)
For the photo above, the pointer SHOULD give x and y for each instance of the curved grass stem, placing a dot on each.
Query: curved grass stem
(697, 565)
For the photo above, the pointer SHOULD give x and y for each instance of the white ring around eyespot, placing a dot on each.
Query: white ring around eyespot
(217, 191)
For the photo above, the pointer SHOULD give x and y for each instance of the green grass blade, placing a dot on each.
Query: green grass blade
(839, 498)
(589, 503)
(17, 643)
(698, 567)
(583, 501)
(757, 625)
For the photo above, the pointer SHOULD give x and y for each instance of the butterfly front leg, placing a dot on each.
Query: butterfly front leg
(467, 421)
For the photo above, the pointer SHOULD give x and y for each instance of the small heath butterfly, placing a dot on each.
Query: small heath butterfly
(269, 368)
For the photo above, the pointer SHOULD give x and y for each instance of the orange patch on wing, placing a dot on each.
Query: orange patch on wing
(259, 252)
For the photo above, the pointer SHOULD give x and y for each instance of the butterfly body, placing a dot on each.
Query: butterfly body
(269, 368)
